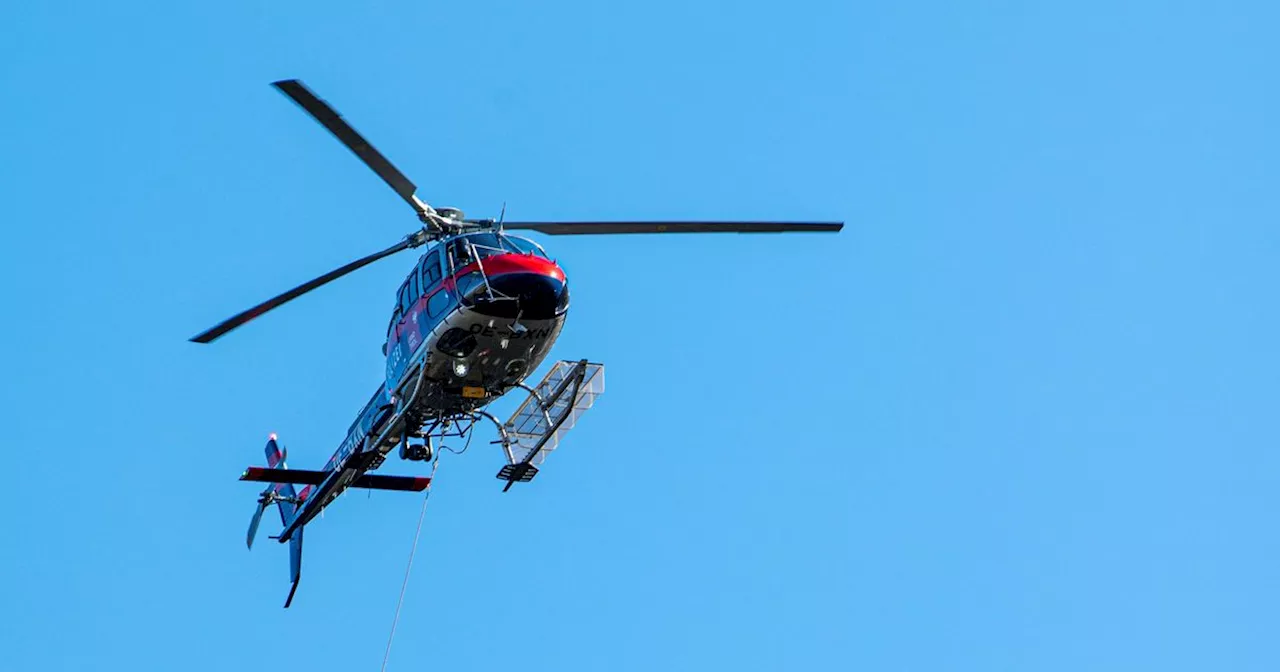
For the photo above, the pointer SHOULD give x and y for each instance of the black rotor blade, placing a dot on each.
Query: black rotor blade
(330, 119)
(233, 322)
(586, 228)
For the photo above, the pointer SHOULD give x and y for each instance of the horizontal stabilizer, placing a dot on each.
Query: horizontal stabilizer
(307, 477)
(406, 483)
(297, 476)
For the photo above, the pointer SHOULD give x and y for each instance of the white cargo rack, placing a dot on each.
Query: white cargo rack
(550, 411)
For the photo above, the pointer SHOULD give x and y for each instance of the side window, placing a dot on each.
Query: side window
(437, 303)
(413, 289)
(395, 319)
(404, 299)
(430, 271)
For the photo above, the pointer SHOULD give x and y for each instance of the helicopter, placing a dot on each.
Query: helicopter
(474, 317)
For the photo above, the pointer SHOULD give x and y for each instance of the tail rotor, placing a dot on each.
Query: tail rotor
(284, 496)
(263, 501)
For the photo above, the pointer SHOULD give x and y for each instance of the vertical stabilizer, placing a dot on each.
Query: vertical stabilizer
(284, 494)
(295, 565)
(287, 499)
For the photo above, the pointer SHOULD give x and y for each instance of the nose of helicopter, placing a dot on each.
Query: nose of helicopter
(540, 296)
(537, 285)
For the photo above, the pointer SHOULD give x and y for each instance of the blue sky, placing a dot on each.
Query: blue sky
(1020, 414)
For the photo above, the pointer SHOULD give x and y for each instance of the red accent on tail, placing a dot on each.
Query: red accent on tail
(274, 455)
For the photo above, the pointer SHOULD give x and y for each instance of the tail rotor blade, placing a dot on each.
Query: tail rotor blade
(257, 518)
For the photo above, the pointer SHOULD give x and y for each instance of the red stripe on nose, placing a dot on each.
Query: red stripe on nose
(517, 263)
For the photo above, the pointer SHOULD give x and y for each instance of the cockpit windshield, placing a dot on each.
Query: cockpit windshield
(525, 246)
(487, 244)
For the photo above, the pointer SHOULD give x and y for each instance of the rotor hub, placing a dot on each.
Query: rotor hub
(450, 213)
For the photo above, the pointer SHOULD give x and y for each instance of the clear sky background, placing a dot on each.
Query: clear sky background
(1019, 415)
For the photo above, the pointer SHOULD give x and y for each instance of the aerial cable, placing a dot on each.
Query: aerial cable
(435, 464)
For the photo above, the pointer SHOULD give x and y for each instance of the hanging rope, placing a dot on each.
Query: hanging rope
(434, 465)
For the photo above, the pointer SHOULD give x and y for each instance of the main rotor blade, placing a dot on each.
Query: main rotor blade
(585, 228)
(233, 322)
(333, 121)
